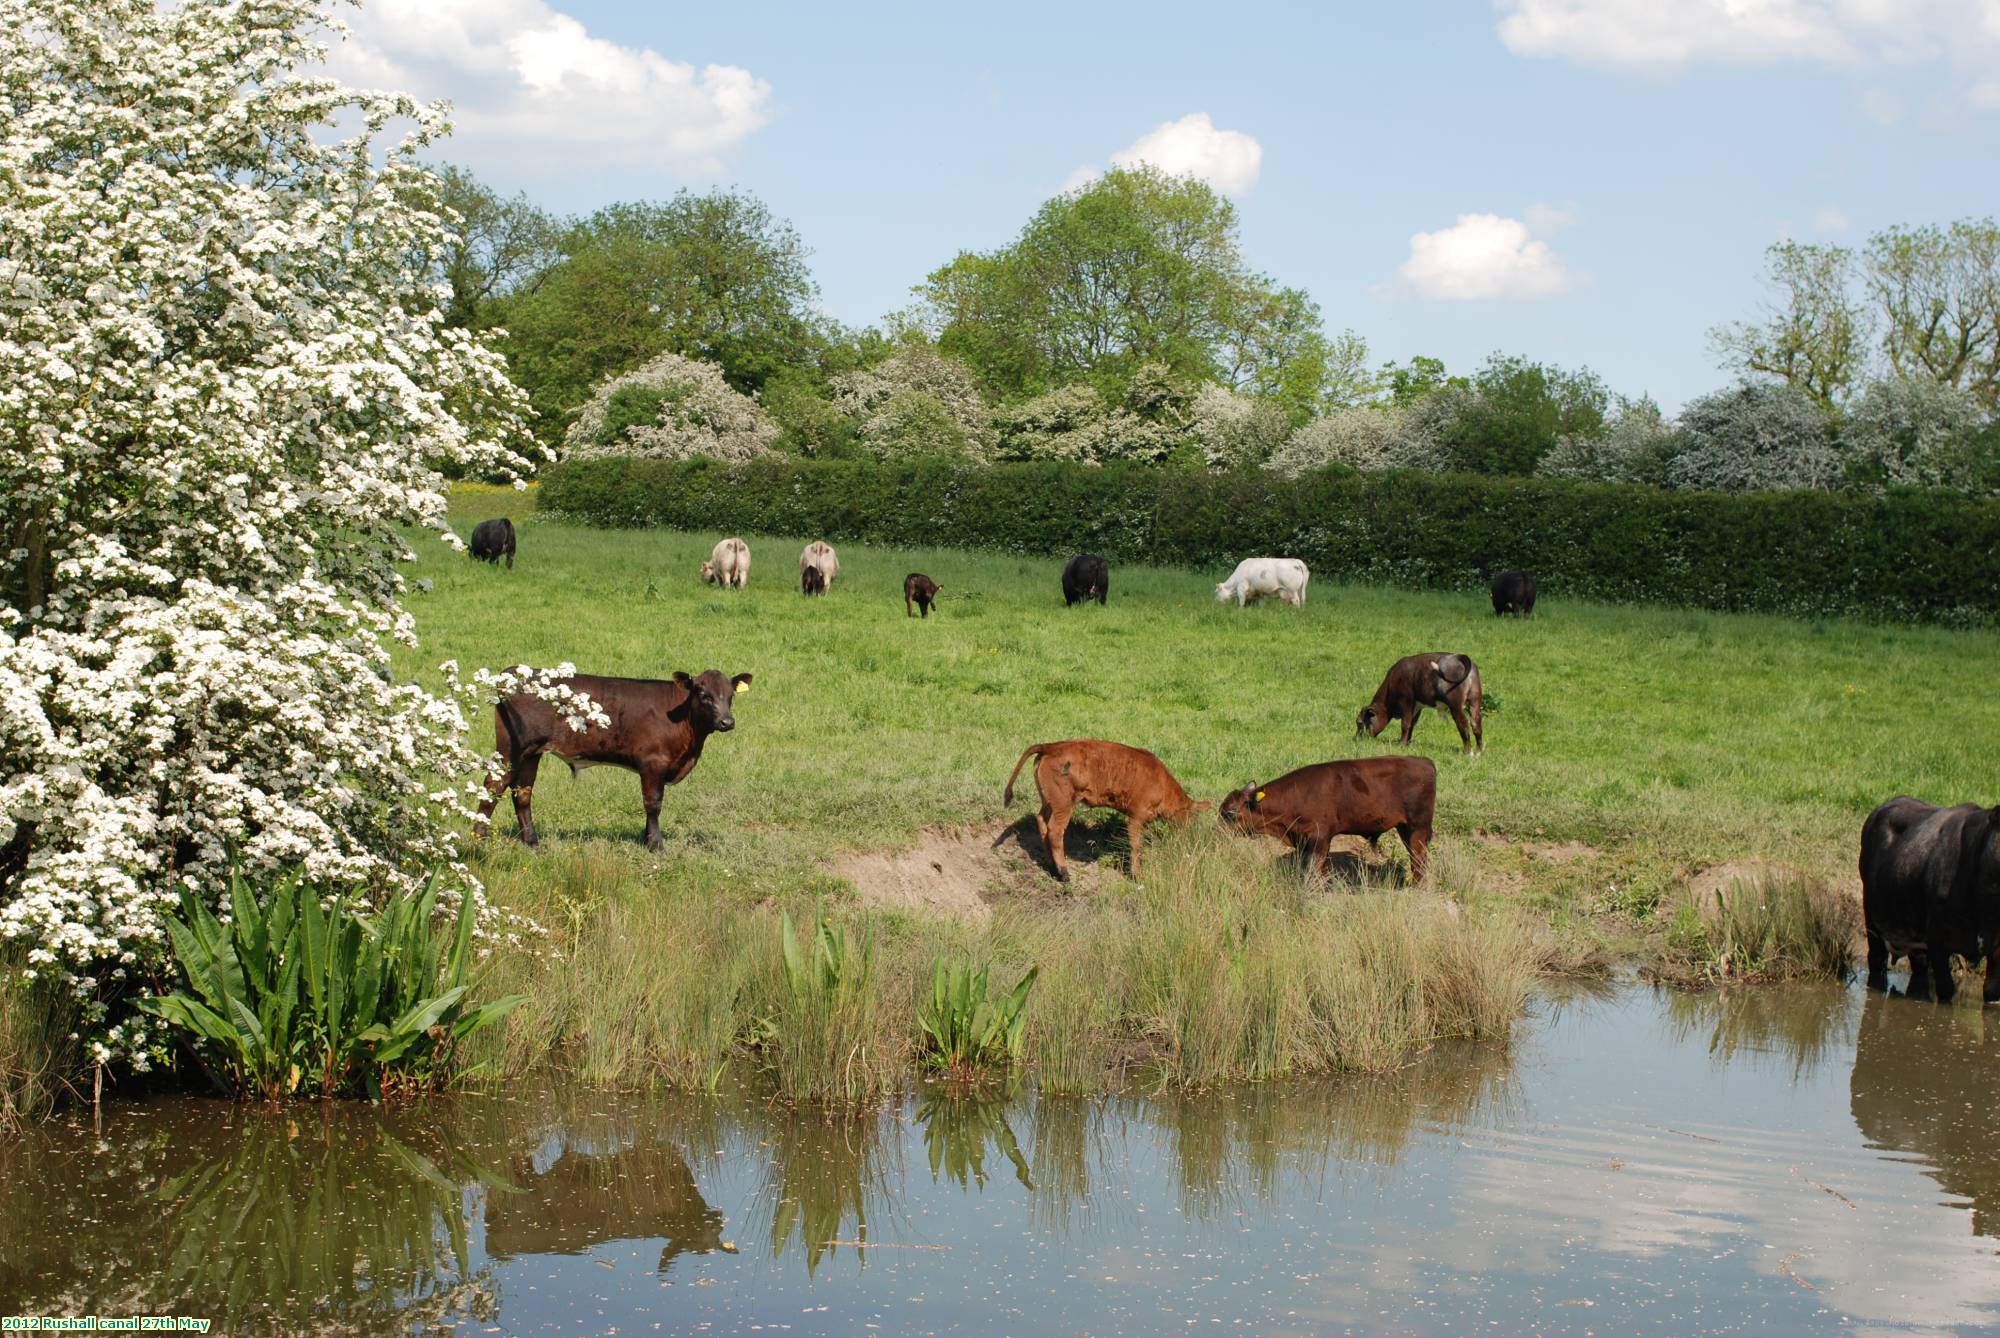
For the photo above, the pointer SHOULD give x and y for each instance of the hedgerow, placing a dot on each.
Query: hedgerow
(1904, 555)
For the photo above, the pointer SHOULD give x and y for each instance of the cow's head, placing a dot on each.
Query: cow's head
(1222, 592)
(1369, 723)
(1239, 807)
(708, 572)
(709, 697)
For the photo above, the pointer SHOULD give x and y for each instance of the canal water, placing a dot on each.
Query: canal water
(1778, 1160)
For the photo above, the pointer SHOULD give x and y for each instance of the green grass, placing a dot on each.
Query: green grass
(1627, 748)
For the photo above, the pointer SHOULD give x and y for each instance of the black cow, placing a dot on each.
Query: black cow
(1930, 887)
(812, 581)
(657, 729)
(492, 539)
(1514, 592)
(1086, 576)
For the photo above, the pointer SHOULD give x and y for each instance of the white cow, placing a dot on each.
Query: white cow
(728, 565)
(820, 554)
(1256, 577)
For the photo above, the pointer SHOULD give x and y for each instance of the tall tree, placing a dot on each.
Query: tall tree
(1813, 334)
(1516, 413)
(1137, 267)
(715, 276)
(502, 245)
(1938, 292)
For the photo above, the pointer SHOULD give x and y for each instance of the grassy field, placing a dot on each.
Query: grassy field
(1630, 751)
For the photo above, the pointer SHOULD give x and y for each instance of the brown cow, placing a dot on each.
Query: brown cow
(1446, 681)
(1098, 774)
(920, 590)
(657, 729)
(1307, 808)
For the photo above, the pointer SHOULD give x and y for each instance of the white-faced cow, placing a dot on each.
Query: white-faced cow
(1257, 578)
(657, 729)
(1930, 887)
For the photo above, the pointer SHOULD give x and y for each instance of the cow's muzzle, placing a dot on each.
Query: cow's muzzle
(724, 725)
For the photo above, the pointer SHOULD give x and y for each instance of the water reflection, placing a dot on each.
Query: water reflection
(1795, 1158)
(1923, 1084)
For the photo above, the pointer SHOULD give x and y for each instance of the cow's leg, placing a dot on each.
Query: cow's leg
(510, 559)
(908, 612)
(652, 784)
(1410, 724)
(1416, 840)
(521, 780)
(1042, 824)
(1135, 835)
(1058, 829)
(1464, 727)
(1943, 986)
(1920, 975)
(1878, 963)
(1992, 991)
(496, 785)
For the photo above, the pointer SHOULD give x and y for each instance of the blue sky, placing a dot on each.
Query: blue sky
(1589, 182)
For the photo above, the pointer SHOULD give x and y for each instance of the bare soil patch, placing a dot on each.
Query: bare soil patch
(960, 872)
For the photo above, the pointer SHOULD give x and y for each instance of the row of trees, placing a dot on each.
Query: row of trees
(1124, 323)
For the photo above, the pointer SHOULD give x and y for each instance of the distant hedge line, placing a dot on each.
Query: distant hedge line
(1903, 556)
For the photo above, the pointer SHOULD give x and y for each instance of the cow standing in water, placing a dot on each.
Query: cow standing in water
(657, 729)
(1930, 887)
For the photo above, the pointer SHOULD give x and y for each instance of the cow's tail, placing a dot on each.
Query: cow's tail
(1034, 750)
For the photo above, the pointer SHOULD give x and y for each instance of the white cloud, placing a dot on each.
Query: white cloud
(530, 82)
(1483, 256)
(1079, 178)
(1666, 33)
(1228, 160)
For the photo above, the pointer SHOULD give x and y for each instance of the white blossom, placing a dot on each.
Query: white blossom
(671, 408)
(225, 384)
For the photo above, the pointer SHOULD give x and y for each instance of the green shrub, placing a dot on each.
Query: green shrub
(822, 1038)
(290, 993)
(1903, 555)
(965, 1029)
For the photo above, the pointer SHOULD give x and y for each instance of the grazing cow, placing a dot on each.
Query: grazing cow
(812, 581)
(1514, 592)
(1307, 808)
(1086, 576)
(1098, 774)
(657, 729)
(728, 565)
(819, 555)
(1930, 887)
(492, 540)
(1448, 682)
(920, 590)
(1255, 578)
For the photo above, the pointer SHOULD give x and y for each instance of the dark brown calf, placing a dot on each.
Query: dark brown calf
(1098, 774)
(657, 729)
(920, 590)
(1307, 808)
(1446, 681)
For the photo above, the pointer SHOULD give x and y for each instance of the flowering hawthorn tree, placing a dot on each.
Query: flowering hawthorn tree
(670, 408)
(225, 381)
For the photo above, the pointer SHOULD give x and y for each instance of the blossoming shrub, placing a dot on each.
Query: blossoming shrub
(916, 402)
(225, 382)
(671, 408)
(1899, 555)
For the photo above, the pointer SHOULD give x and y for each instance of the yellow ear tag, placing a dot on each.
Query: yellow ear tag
(742, 688)
(1260, 796)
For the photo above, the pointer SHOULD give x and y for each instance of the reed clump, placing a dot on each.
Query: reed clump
(1780, 925)
(1224, 965)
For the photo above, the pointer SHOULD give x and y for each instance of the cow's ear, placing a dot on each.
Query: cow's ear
(742, 682)
(1251, 794)
(681, 678)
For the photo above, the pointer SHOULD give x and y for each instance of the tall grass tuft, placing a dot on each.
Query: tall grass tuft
(823, 1038)
(1783, 925)
(35, 1052)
